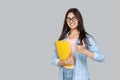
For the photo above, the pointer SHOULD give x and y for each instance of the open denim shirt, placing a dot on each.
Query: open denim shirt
(80, 70)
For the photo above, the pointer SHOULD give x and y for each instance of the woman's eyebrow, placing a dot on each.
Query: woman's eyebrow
(72, 17)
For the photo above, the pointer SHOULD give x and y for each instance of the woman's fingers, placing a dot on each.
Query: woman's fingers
(70, 60)
(77, 47)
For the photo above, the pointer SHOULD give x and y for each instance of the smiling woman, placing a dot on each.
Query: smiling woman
(82, 46)
(72, 20)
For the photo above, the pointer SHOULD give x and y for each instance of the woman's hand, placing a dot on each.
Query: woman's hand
(69, 60)
(81, 48)
(61, 63)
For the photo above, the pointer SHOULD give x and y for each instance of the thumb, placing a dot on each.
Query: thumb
(83, 42)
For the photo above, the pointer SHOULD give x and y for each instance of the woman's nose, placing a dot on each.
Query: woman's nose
(71, 21)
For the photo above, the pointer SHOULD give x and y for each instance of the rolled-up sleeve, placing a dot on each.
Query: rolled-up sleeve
(98, 55)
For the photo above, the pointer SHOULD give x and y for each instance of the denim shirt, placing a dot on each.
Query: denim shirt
(80, 70)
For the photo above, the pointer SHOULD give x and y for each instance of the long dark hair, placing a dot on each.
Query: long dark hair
(80, 26)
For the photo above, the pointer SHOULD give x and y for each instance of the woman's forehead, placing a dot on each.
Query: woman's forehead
(70, 15)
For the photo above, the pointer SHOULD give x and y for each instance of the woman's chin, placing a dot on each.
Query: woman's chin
(73, 27)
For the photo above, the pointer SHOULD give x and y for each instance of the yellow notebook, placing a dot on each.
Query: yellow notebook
(63, 50)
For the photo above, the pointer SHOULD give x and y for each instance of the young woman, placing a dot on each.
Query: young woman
(82, 46)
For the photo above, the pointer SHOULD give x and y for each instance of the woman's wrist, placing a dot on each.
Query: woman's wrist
(61, 63)
(85, 51)
(88, 53)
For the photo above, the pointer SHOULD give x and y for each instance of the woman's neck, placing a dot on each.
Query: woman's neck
(74, 32)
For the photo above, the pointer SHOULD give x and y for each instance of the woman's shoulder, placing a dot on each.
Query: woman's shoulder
(90, 38)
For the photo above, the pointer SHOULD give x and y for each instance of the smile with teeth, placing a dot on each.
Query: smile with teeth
(72, 24)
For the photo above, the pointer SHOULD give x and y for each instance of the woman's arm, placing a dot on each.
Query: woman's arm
(98, 55)
(92, 51)
(55, 59)
(88, 53)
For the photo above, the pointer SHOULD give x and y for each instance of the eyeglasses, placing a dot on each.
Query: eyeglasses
(69, 19)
